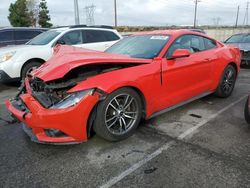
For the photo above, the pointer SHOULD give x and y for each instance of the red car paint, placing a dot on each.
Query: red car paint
(162, 83)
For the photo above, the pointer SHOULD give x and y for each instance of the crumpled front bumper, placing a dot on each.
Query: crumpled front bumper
(72, 122)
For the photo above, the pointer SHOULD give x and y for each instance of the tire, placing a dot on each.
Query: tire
(118, 115)
(227, 82)
(246, 112)
(28, 68)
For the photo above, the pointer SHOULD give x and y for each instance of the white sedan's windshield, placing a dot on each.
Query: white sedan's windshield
(44, 38)
(145, 46)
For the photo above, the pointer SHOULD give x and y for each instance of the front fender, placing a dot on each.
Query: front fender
(145, 78)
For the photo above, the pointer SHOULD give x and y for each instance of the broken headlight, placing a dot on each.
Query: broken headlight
(72, 99)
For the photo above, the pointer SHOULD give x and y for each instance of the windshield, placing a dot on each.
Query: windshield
(44, 38)
(146, 46)
(235, 39)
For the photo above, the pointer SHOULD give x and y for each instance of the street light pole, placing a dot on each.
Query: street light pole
(195, 12)
(237, 17)
(115, 8)
(77, 21)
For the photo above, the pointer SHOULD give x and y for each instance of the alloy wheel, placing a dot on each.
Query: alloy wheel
(121, 114)
(228, 81)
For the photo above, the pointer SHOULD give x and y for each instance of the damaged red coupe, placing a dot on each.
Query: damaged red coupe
(79, 92)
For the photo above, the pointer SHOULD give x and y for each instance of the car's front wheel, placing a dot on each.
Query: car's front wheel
(28, 68)
(227, 82)
(118, 115)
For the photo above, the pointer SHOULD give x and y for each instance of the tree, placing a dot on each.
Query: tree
(19, 15)
(33, 7)
(44, 17)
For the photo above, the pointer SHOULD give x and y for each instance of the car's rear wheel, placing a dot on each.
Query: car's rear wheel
(227, 82)
(246, 112)
(28, 68)
(118, 115)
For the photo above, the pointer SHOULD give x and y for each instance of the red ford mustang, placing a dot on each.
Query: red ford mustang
(78, 91)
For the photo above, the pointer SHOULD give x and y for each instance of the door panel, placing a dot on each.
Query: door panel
(185, 78)
(188, 77)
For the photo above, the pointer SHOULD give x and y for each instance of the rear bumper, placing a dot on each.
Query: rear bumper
(39, 121)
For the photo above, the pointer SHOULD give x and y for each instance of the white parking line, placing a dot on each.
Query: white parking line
(166, 146)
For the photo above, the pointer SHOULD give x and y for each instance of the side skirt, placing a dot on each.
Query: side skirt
(179, 105)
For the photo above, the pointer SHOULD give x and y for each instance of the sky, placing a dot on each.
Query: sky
(142, 12)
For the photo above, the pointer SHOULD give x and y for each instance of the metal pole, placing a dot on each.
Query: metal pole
(77, 20)
(115, 7)
(247, 13)
(237, 17)
(195, 13)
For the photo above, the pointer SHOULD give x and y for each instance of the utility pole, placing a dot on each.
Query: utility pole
(195, 11)
(115, 8)
(77, 20)
(237, 16)
(246, 15)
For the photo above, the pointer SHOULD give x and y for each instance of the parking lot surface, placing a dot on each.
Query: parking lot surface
(203, 144)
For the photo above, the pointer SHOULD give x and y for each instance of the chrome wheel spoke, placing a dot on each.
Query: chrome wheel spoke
(126, 100)
(110, 119)
(113, 106)
(112, 124)
(121, 114)
(120, 122)
(117, 102)
(130, 112)
(129, 117)
(124, 122)
(125, 108)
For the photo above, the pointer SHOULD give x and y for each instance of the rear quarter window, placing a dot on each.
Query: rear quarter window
(22, 35)
(209, 44)
(93, 36)
(6, 36)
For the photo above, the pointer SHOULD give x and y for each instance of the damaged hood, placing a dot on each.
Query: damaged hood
(66, 58)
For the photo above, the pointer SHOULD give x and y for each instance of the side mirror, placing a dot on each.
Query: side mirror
(60, 41)
(179, 53)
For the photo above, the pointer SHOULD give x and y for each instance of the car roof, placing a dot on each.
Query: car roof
(171, 32)
(76, 27)
(23, 28)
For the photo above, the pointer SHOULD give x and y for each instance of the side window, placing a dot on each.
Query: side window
(22, 35)
(72, 38)
(92, 36)
(209, 44)
(246, 39)
(197, 44)
(6, 36)
(192, 43)
(110, 36)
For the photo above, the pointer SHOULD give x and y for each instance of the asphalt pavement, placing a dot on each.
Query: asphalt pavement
(203, 144)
